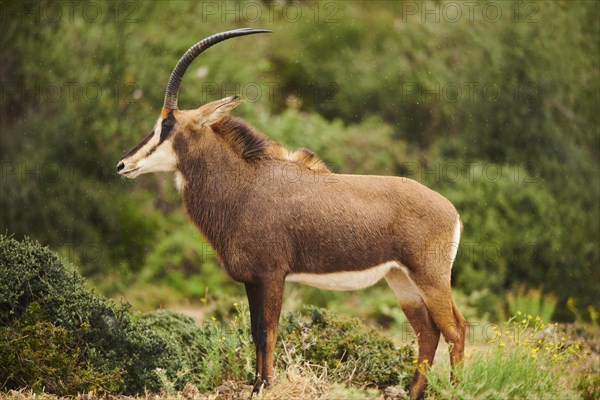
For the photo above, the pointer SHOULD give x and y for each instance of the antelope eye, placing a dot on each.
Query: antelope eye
(166, 127)
(167, 124)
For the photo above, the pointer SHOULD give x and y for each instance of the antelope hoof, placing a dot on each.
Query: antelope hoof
(258, 385)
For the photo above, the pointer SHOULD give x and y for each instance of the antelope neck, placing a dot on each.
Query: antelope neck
(214, 185)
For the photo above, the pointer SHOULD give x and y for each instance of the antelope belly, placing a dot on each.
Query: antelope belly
(345, 280)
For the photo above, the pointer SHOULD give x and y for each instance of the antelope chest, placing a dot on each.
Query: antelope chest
(345, 280)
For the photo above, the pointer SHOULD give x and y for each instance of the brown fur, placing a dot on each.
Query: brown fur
(245, 141)
(270, 213)
(267, 215)
(254, 146)
(309, 159)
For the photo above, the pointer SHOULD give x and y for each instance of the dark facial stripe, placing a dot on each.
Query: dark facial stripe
(166, 127)
(165, 130)
(139, 146)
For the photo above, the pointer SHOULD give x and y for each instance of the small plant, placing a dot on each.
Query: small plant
(526, 358)
(39, 355)
(589, 386)
(351, 352)
(532, 302)
(208, 354)
(592, 313)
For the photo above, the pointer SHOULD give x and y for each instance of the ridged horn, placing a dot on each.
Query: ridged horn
(184, 62)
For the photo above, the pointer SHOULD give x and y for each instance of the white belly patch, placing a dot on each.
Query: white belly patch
(347, 280)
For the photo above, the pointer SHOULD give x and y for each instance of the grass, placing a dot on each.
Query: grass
(525, 359)
(532, 302)
(496, 374)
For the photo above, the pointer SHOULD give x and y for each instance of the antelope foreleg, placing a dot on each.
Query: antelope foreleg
(265, 300)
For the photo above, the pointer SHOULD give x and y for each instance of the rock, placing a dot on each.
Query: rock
(394, 393)
(190, 392)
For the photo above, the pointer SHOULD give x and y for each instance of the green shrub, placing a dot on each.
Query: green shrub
(353, 353)
(108, 339)
(207, 354)
(503, 243)
(39, 355)
(185, 262)
(76, 340)
(215, 352)
(341, 146)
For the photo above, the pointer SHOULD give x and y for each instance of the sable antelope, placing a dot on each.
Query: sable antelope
(275, 216)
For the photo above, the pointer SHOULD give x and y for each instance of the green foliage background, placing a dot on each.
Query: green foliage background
(60, 337)
(501, 116)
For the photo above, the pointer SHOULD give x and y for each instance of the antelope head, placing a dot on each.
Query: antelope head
(155, 153)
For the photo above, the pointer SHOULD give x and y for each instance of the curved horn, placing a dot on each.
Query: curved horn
(184, 62)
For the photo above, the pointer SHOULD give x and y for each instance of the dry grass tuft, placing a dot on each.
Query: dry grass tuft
(300, 381)
(303, 380)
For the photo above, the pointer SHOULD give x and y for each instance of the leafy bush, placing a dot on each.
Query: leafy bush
(503, 244)
(59, 336)
(341, 146)
(108, 339)
(39, 355)
(353, 353)
(209, 354)
(185, 262)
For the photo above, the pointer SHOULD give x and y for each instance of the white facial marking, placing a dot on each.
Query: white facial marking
(162, 159)
(152, 157)
(347, 280)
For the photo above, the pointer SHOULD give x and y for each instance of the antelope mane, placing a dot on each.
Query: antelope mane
(254, 146)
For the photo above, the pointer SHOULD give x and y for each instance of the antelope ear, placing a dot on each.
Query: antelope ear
(215, 111)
